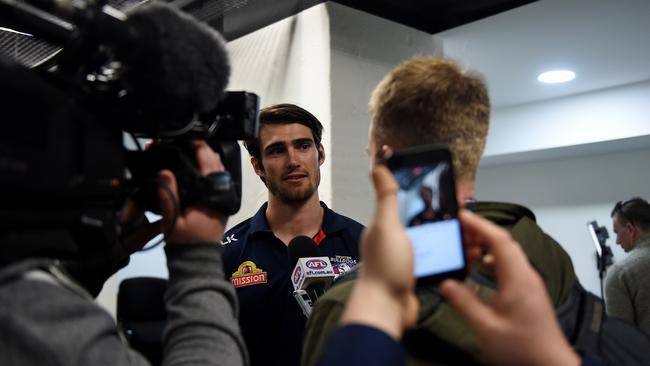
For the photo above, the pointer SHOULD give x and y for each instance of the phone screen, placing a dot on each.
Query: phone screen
(428, 210)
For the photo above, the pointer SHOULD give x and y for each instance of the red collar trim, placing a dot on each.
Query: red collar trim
(319, 236)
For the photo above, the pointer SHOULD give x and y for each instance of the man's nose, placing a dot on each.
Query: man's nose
(293, 157)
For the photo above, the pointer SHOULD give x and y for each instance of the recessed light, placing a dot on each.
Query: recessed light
(556, 76)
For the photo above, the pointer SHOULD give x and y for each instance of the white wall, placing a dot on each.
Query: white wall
(604, 115)
(364, 49)
(286, 62)
(565, 194)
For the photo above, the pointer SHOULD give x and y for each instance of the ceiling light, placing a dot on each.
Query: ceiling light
(556, 76)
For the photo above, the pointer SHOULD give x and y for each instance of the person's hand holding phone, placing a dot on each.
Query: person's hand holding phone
(519, 327)
(428, 207)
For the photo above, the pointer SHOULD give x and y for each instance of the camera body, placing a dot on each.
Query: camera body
(63, 163)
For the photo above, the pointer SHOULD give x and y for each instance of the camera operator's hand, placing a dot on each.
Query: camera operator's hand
(519, 327)
(133, 216)
(196, 223)
(386, 281)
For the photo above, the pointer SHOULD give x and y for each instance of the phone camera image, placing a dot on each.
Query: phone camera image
(428, 210)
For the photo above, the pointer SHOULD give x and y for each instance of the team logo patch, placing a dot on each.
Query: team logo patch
(248, 274)
(342, 264)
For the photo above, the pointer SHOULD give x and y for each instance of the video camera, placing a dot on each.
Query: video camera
(156, 73)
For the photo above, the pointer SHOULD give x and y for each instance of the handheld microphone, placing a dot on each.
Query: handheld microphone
(312, 273)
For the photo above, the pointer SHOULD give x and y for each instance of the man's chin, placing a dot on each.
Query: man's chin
(296, 196)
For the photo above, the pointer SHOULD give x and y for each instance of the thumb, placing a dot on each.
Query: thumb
(411, 311)
(467, 304)
(167, 197)
(386, 192)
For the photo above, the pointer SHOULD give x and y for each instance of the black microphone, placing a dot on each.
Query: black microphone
(312, 273)
(177, 65)
(301, 247)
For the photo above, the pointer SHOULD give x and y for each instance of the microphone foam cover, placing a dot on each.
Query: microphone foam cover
(301, 247)
(190, 57)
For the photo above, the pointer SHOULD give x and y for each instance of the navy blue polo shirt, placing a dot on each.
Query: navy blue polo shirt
(257, 264)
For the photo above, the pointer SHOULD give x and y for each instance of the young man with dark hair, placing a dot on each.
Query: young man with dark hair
(287, 157)
(627, 292)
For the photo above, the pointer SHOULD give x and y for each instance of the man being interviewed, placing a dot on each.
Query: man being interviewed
(287, 157)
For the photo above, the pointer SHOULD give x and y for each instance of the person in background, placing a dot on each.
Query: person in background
(431, 100)
(627, 286)
(518, 327)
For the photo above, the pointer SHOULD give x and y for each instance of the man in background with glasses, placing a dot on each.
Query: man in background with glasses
(627, 287)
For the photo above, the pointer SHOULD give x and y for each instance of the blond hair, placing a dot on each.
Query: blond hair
(431, 100)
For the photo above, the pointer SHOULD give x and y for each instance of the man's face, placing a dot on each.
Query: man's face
(624, 233)
(290, 161)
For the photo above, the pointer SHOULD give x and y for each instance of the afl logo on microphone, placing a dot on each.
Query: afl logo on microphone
(316, 264)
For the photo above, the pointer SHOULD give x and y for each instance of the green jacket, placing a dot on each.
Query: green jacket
(441, 337)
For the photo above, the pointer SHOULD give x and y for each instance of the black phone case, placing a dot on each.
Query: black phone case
(427, 155)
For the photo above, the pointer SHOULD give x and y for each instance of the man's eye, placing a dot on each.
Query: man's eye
(305, 146)
(274, 151)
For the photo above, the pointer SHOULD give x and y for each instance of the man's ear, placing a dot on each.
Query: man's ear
(258, 167)
(633, 230)
(321, 154)
(385, 152)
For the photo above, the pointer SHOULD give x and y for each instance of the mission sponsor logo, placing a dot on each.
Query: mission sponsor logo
(248, 274)
(316, 264)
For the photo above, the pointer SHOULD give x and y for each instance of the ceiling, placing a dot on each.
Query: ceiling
(509, 41)
(433, 16)
(236, 18)
(605, 42)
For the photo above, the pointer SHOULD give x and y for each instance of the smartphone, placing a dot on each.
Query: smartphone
(429, 211)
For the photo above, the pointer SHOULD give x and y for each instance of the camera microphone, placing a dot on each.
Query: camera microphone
(162, 67)
(175, 69)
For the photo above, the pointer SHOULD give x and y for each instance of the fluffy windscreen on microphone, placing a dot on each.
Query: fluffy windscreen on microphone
(302, 247)
(175, 61)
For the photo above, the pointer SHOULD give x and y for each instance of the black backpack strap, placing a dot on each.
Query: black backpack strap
(581, 317)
